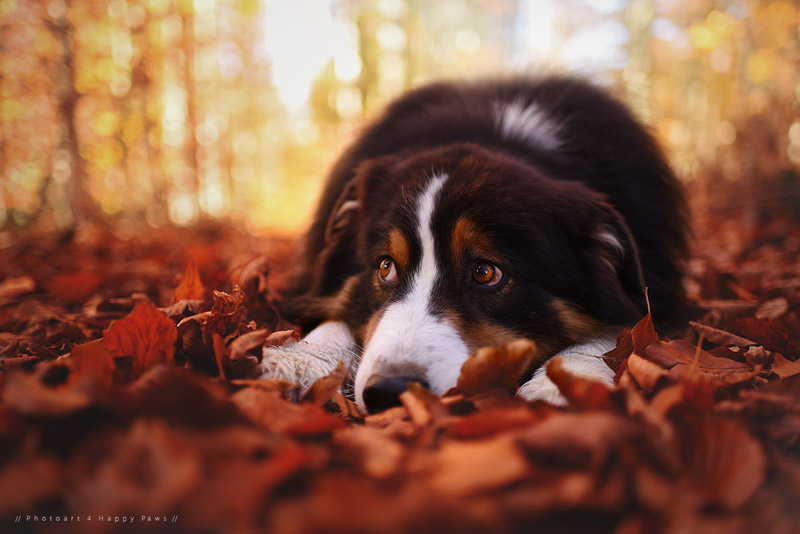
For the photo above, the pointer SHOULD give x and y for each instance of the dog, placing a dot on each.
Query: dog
(473, 214)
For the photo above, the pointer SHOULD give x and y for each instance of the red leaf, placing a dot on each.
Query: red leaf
(72, 287)
(147, 334)
(191, 287)
(726, 463)
(92, 360)
(496, 367)
(643, 334)
(680, 353)
(576, 389)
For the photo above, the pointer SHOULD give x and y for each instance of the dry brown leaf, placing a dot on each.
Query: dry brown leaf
(277, 339)
(323, 389)
(13, 287)
(646, 373)
(27, 394)
(28, 478)
(92, 360)
(784, 368)
(379, 454)
(579, 440)
(772, 309)
(680, 353)
(720, 337)
(147, 334)
(466, 468)
(191, 287)
(489, 422)
(577, 390)
(621, 351)
(496, 367)
(726, 462)
(74, 287)
(643, 334)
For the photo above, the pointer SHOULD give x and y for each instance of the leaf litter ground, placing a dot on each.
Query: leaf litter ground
(127, 390)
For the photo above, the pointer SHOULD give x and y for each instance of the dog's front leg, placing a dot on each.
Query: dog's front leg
(317, 354)
(582, 360)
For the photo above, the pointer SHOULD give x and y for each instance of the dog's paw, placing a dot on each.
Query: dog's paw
(581, 360)
(304, 362)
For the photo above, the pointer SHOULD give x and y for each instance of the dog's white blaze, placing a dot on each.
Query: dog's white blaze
(529, 123)
(407, 333)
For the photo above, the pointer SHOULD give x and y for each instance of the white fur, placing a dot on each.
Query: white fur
(407, 333)
(528, 123)
(303, 362)
(581, 360)
(612, 241)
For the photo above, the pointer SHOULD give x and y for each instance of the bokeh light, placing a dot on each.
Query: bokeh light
(175, 111)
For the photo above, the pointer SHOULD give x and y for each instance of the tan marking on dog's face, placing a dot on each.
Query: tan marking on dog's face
(578, 326)
(366, 331)
(467, 237)
(481, 334)
(399, 249)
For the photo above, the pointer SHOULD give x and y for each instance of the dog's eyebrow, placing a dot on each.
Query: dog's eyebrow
(467, 236)
(399, 249)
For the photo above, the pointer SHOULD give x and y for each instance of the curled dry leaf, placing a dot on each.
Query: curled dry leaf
(323, 389)
(147, 334)
(621, 351)
(577, 390)
(460, 468)
(276, 339)
(785, 368)
(682, 356)
(496, 367)
(772, 309)
(646, 373)
(720, 337)
(191, 287)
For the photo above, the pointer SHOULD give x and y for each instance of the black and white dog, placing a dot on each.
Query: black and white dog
(470, 215)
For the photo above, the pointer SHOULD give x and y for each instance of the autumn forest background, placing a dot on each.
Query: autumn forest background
(146, 113)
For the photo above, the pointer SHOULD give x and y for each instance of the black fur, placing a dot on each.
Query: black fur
(541, 208)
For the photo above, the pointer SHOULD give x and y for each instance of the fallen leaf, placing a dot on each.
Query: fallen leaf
(784, 368)
(772, 309)
(13, 287)
(465, 468)
(720, 337)
(621, 351)
(147, 334)
(191, 287)
(323, 389)
(92, 360)
(680, 353)
(277, 339)
(726, 462)
(74, 287)
(577, 390)
(496, 367)
(646, 373)
(643, 334)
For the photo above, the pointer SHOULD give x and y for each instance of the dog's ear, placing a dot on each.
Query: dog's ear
(614, 257)
(362, 198)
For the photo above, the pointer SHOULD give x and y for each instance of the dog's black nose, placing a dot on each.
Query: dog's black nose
(382, 392)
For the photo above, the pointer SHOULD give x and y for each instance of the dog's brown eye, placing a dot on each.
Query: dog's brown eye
(387, 270)
(487, 274)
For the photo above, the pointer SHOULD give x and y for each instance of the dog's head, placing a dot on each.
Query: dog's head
(465, 248)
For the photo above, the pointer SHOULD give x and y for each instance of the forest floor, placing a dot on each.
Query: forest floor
(127, 404)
